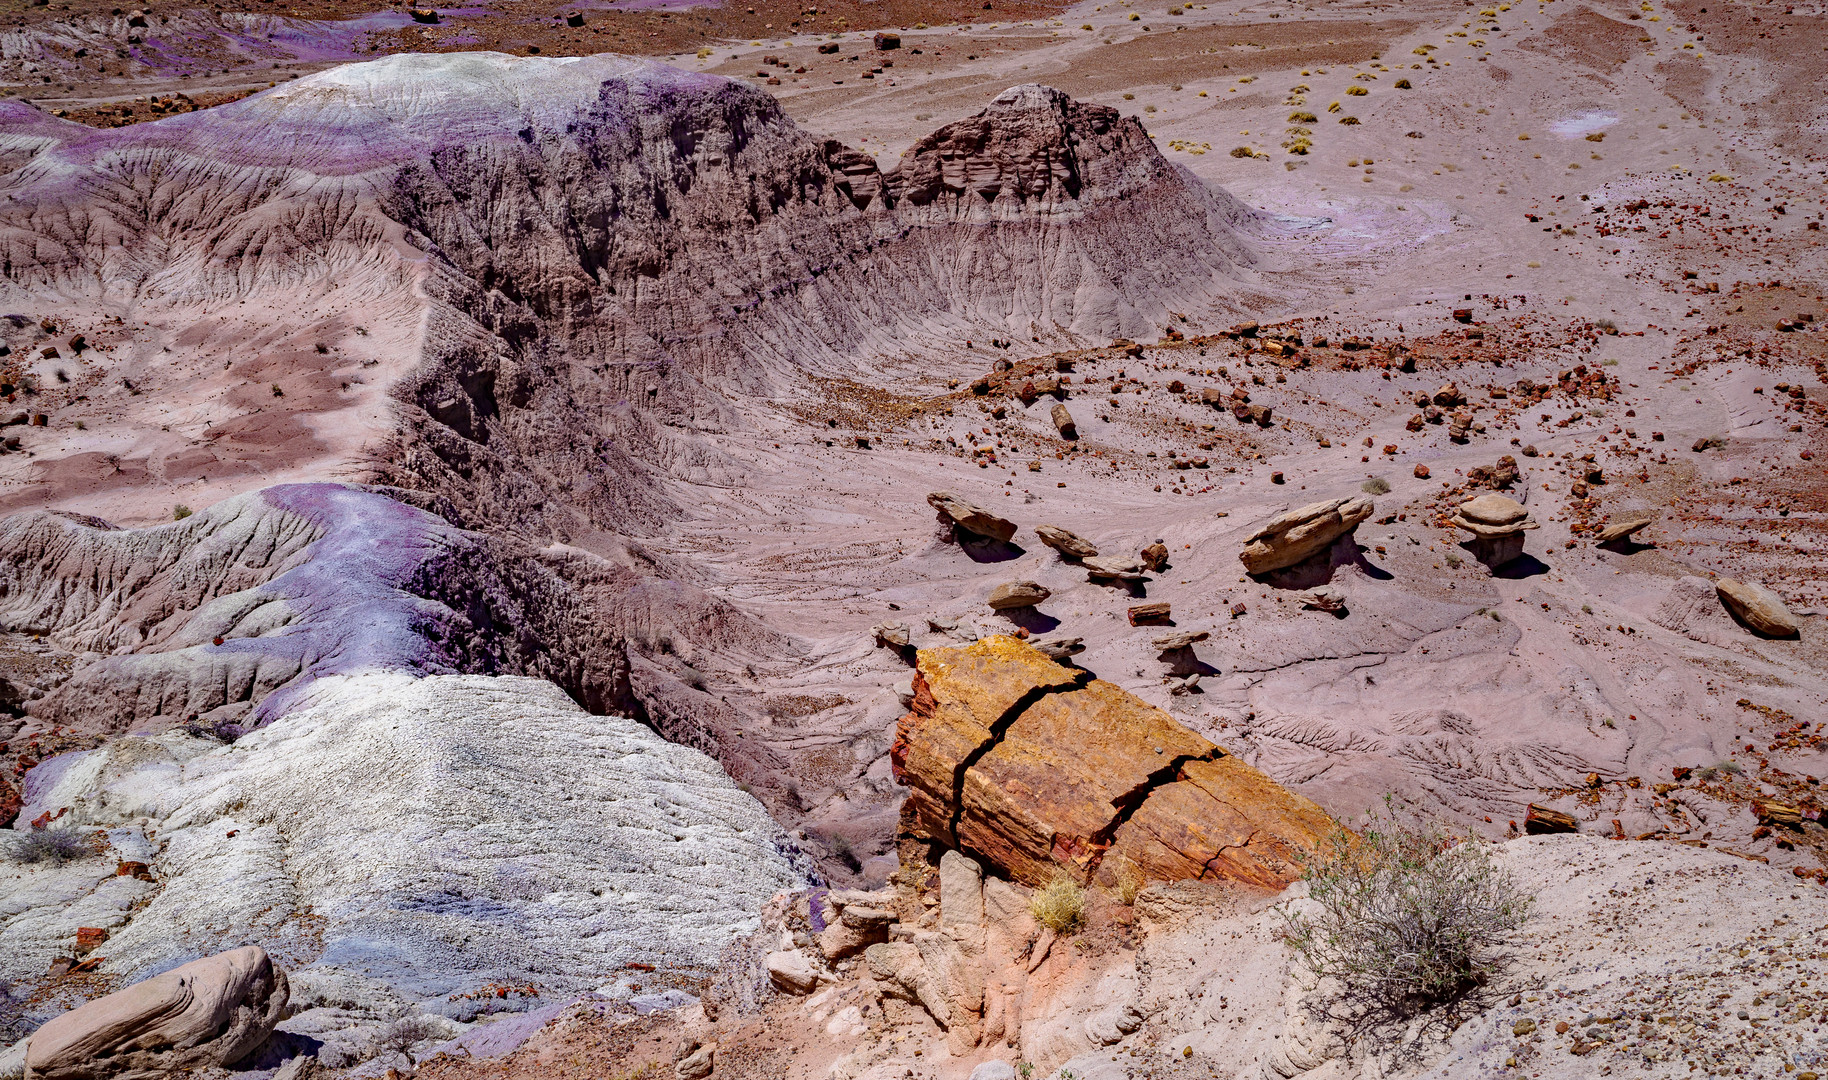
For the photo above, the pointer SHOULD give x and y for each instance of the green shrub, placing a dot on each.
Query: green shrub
(1377, 485)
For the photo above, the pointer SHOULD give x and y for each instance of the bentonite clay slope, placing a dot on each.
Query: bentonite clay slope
(1040, 767)
(431, 834)
(582, 257)
(207, 617)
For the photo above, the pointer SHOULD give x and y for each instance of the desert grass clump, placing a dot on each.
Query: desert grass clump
(1059, 905)
(1127, 879)
(1403, 84)
(1377, 485)
(1356, 91)
(180, 512)
(1349, 121)
(49, 845)
(1406, 917)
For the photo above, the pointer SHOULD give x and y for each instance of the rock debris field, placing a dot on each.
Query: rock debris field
(888, 541)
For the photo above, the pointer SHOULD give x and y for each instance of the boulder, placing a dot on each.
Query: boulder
(696, 1064)
(1059, 768)
(1114, 567)
(1493, 512)
(1066, 543)
(1063, 422)
(1758, 608)
(1619, 530)
(792, 971)
(971, 518)
(204, 1014)
(1155, 556)
(1295, 535)
(1017, 594)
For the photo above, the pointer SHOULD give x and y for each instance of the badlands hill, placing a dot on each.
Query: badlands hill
(471, 533)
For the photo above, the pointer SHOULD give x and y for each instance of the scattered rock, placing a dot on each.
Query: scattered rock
(1079, 769)
(1326, 598)
(1421, 472)
(1114, 566)
(1448, 396)
(1063, 422)
(1059, 648)
(697, 1064)
(897, 635)
(994, 1070)
(1153, 612)
(1541, 819)
(1069, 544)
(1296, 535)
(1017, 594)
(1758, 608)
(1155, 556)
(1179, 640)
(792, 971)
(1619, 530)
(970, 517)
(204, 1014)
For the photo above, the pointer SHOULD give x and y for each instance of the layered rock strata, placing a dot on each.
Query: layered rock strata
(1041, 768)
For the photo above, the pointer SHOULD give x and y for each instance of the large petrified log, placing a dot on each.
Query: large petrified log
(1039, 767)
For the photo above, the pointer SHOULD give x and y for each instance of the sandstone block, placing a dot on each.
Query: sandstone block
(1758, 607)
(1619, 530)
(792, 971)
(204, 1014)
(961, 891)
(1017, 594)
(1066, 543)
(1296, 535)
(1115, 567)
(970, 517)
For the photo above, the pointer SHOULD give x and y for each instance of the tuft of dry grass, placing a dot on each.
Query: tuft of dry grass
(1059, 905)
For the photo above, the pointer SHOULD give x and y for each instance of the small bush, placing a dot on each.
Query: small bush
(180, 512)
(1299, 117)
(401, 1035)
(1377, 485)
(56, 845)
(1356, 91)
(1059, 905)
(1403, 84)
(1127, 879)
(1349, 121)
(1453, 562)
(1405, 917)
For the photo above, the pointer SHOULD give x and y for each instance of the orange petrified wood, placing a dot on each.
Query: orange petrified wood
(1037, 767)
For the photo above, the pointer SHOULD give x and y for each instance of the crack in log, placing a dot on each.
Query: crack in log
(999, 728)
(1131, 801)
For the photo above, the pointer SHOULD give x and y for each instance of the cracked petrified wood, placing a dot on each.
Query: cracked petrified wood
(1037, 767)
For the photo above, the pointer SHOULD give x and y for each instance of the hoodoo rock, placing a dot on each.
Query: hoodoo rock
(209, 1012)
(1040, 767)
(1069, 544)
(1497, 524)
(1759, 608)
(1296, 535)
(971, 518)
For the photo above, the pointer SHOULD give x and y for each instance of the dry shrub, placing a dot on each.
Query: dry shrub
(1405, 917)
(1059, 905)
